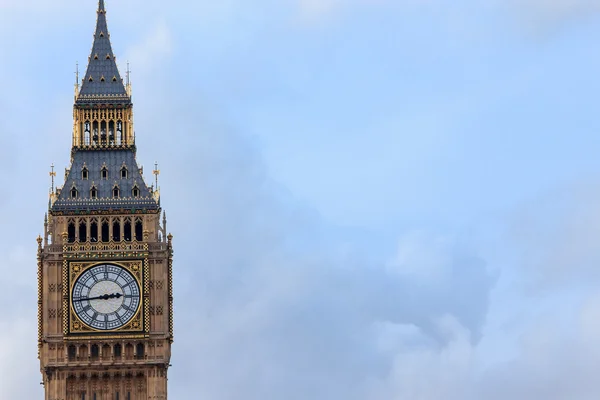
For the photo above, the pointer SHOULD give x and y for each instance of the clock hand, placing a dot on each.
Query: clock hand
(103, 297)
(87, 298)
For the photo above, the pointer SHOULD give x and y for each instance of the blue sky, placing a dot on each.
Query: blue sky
(371, 200)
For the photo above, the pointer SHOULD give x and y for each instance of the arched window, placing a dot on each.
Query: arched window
(82, 232)
(71, 352)
(116, 231)
(139, 231)
(104, 172)
(119, 133)
(111, 132)
(139, 351)
(93, 192)
(86, 133)
(103, 133)
(94, 232)
(95, 352)
(74, 192)
(135, 192)
(95, 132)
(105, 231)
(117, 350)
(84, 173)
(127, 231)
(116, 192)
(71, 232)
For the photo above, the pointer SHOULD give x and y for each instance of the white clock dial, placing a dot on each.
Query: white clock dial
(106, 297)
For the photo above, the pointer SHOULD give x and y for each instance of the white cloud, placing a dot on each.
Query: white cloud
(556, 361)
(430, 373)
(561, 250)
(420, 255)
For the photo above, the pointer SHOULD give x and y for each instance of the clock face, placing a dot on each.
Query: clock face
(106, 297)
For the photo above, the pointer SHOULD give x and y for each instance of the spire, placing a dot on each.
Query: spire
(102, 82)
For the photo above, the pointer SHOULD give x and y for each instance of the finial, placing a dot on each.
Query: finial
(156, 172)
(39, 240)
(76, 80)
(45, 229)
(101, 5)
(128, 82)
(52, 175)
(164, 227)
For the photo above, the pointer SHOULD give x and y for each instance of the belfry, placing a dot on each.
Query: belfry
(105, 289)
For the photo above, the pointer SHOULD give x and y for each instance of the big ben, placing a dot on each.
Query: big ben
(105, 290)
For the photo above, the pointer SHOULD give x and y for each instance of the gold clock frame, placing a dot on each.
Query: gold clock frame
(137, 327)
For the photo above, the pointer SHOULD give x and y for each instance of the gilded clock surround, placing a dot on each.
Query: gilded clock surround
(139, 324)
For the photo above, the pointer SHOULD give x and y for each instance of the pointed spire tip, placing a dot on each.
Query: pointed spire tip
(101, 67)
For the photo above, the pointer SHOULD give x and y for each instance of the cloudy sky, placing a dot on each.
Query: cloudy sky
(371, 199)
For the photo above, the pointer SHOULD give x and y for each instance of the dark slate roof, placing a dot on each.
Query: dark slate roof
(94, 162)
(102, 82)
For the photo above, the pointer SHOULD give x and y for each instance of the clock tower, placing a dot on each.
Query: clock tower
(105, 298)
